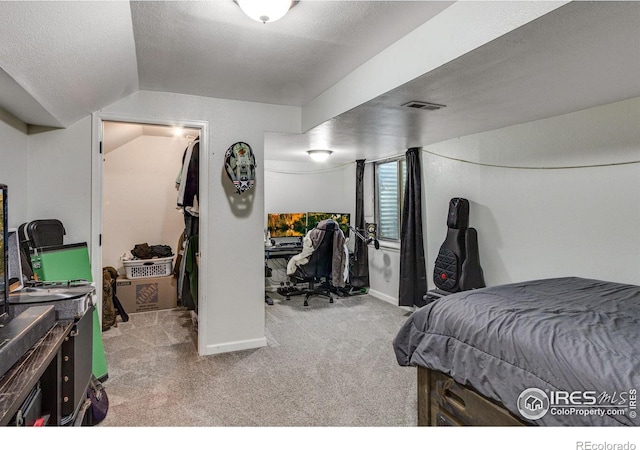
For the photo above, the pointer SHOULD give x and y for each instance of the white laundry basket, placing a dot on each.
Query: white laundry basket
(148, 268)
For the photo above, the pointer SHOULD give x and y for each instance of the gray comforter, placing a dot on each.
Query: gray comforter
(564, 334)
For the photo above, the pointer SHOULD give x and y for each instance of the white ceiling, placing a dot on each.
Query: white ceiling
(65, 59)
(62, 60)
(117, 134)
(212, 49)
(582, 55)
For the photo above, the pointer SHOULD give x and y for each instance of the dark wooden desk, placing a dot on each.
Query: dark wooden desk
(42, 363)
(278, 251)
(282, 251)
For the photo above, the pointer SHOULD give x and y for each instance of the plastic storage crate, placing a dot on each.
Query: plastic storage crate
(147, 268)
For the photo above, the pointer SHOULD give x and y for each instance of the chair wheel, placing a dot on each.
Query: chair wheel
(306, 303)
(330, 299)
(288, 298)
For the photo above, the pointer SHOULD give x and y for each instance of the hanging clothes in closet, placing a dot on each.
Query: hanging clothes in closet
(186, 269)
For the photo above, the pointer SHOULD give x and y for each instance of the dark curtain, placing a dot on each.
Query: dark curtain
(359, 276)
(413, 270)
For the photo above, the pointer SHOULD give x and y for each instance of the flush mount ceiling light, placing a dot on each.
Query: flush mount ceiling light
(319, 155)
(266, 10)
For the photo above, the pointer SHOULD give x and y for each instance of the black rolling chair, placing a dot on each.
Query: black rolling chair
(457, 267)
(317, 272)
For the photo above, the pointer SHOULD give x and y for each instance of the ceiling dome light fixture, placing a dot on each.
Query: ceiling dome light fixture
(319, 155)
(265, 10)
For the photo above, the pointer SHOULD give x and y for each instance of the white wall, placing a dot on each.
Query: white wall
(232, 308)
(306, 187)
(140, 196)
(545, 223)
(531, 223)
(13, 166)
(536, 223)
(232, 317)
(384, 273)
(60, 178)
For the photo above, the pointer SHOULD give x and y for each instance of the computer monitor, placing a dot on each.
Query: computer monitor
(4, 291)
(14, 263)
(287, 225)
(343, 219)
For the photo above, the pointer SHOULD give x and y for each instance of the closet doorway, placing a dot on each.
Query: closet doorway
(143, 200)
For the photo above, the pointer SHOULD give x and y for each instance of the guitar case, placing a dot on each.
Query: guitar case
(457, 267)
(453, 251)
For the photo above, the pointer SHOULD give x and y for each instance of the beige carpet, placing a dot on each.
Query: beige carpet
(325, 365)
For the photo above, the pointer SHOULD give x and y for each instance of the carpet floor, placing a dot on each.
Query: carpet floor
(329, 365)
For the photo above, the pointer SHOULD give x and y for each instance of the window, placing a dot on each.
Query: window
(390, 178)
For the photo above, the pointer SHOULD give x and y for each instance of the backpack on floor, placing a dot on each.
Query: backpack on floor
(111, 305)
(109, 318)
(97, 404)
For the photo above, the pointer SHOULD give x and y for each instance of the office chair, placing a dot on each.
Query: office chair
(457, 266)
(317, 272)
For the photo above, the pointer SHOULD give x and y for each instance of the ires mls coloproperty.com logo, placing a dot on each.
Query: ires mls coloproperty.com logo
(534, 403)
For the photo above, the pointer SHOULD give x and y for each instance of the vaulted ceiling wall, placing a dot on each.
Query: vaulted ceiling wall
(349, 65)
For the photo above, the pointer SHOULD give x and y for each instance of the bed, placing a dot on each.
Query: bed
(552, 352)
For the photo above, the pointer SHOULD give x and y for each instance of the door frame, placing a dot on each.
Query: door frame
(97, 204)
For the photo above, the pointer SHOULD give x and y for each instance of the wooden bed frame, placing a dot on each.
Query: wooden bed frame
(444, 402)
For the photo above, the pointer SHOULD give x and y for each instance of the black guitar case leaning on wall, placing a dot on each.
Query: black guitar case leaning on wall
(457, 267)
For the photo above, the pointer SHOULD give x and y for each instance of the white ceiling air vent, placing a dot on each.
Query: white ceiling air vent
(423, 105)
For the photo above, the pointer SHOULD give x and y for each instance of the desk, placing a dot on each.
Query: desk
(278, 251)
(41, 363)
(61, 363)
(281, 251)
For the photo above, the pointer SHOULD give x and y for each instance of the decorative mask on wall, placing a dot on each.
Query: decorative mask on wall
(240, 164)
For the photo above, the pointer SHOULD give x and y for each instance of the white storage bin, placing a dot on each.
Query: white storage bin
(147, 268)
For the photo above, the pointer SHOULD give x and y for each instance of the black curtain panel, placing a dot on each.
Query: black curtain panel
(359, 276)
(413, 270)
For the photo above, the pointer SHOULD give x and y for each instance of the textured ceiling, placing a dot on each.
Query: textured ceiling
(66, 59)
(62, 60)
(582, 55)
(212, 49)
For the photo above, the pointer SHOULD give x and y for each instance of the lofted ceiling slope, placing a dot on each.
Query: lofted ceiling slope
(62, 60)
(66, 59)
(212, 49)
(582, 55)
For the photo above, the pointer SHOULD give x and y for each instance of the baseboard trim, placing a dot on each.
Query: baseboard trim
(385, 297)
(215, 349)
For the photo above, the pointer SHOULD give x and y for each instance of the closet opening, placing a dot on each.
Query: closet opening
(147, 185)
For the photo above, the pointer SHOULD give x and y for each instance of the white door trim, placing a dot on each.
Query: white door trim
(203, 202)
